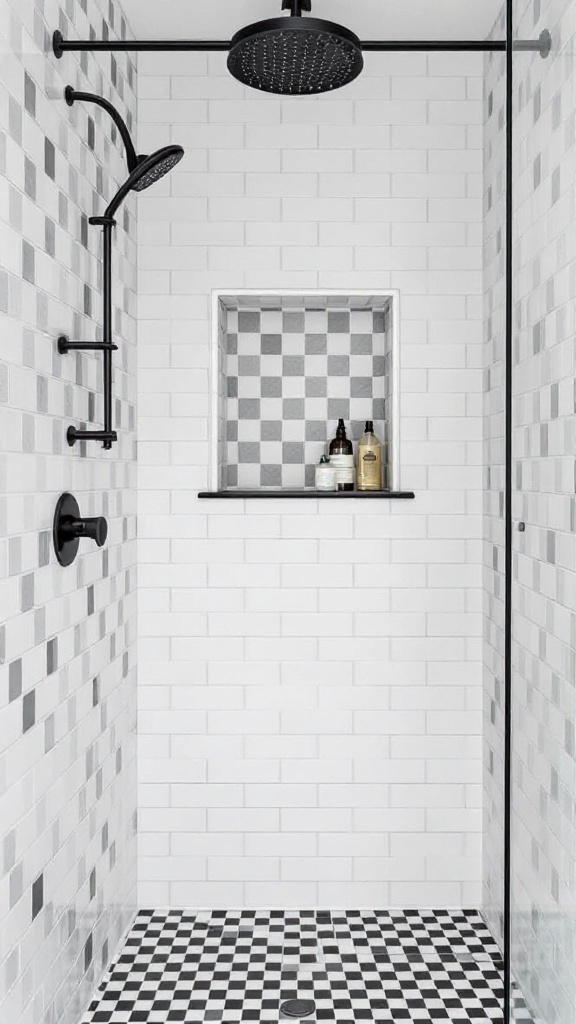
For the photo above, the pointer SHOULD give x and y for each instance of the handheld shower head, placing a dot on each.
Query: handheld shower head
(148, 170)
(144, 170)
(151, 169)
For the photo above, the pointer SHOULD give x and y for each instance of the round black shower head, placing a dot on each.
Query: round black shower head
(147, 171)
(150, 169)
(295, 56)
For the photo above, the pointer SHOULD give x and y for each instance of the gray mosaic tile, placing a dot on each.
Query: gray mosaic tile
(28, 262)
(291, 374)
(293, 409)
(15, 679)
(293, 322)
(248, 366)
(9, 851)
(271, 430)
(271, 476)
(248, 322)
(27, 592)
(49, 733)
(28, 710)
(30, 178)
(338, 366)
(316, 344)
(249, 408)
(37, 896)
(29, 95)
(52, 655)
(292, 453)
(248, 452)
(44, 545)
(271, 345)
(271, 387)
(16, 884)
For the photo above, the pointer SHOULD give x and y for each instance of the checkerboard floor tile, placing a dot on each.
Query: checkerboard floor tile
(356, 965)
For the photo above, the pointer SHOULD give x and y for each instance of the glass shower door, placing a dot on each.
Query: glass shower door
(543, 946)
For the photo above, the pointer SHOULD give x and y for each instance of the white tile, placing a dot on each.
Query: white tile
(316, 619)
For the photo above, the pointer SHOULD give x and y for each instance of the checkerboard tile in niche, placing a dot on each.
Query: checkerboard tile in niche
(355, 965)
(288, 375)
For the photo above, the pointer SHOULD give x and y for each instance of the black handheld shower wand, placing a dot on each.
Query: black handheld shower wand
(143, 171)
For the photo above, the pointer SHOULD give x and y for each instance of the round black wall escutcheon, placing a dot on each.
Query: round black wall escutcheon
(69, 527)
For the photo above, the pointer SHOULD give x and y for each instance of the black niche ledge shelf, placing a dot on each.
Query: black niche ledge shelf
(308, 493)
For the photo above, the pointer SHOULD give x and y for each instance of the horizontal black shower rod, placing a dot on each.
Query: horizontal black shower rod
(62, 45)
(420, 45)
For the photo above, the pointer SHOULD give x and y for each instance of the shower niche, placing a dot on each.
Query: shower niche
(285, 367)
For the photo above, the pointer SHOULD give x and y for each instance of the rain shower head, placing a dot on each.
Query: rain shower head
(295, 56)
(144, 170)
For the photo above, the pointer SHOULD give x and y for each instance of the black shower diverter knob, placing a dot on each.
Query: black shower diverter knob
(70, 528)
(95, 529)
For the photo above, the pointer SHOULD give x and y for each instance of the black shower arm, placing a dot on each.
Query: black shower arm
(296, 7)
(71, 95)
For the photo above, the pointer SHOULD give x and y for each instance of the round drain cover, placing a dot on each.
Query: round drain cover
(298, 1007)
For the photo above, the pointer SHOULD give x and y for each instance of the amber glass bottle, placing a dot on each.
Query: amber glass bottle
(342, 458)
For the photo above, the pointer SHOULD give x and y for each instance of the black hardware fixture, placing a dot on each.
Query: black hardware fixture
(262, 493)
(69, 528)
(144, 171)
(64, 346)
(295, 56)
(60, 45)
(508, 520)
(297, 1007)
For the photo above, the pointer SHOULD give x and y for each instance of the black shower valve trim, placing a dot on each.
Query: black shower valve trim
(70, 527)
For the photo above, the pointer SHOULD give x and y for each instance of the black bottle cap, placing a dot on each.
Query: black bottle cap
(341, 429)
(369, 428)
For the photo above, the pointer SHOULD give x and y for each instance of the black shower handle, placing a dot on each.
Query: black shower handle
(70, 528)
(95, 528)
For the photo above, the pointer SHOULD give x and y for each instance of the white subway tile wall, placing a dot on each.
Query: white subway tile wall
(544, 593)
(310, 701)
(67, 636)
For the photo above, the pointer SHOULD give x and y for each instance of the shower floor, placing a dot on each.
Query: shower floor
(356, 966)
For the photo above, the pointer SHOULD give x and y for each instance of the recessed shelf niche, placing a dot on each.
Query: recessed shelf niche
(285, 367)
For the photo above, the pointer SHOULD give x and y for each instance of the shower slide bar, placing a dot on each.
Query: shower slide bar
(144, 171)
(108, 436)
(61, 46)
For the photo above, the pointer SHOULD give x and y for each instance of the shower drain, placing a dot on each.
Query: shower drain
(298, 1007)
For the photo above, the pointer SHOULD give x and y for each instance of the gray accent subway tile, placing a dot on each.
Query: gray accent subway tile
(15, 679)
(28, 710)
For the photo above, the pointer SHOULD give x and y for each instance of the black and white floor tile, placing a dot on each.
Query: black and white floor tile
(355, 965)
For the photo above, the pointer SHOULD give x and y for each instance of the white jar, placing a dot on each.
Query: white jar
(325, 477)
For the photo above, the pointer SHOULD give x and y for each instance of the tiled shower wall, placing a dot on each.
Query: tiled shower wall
(67, 693)
(310, 673)
(293, 367)
(544, 591)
